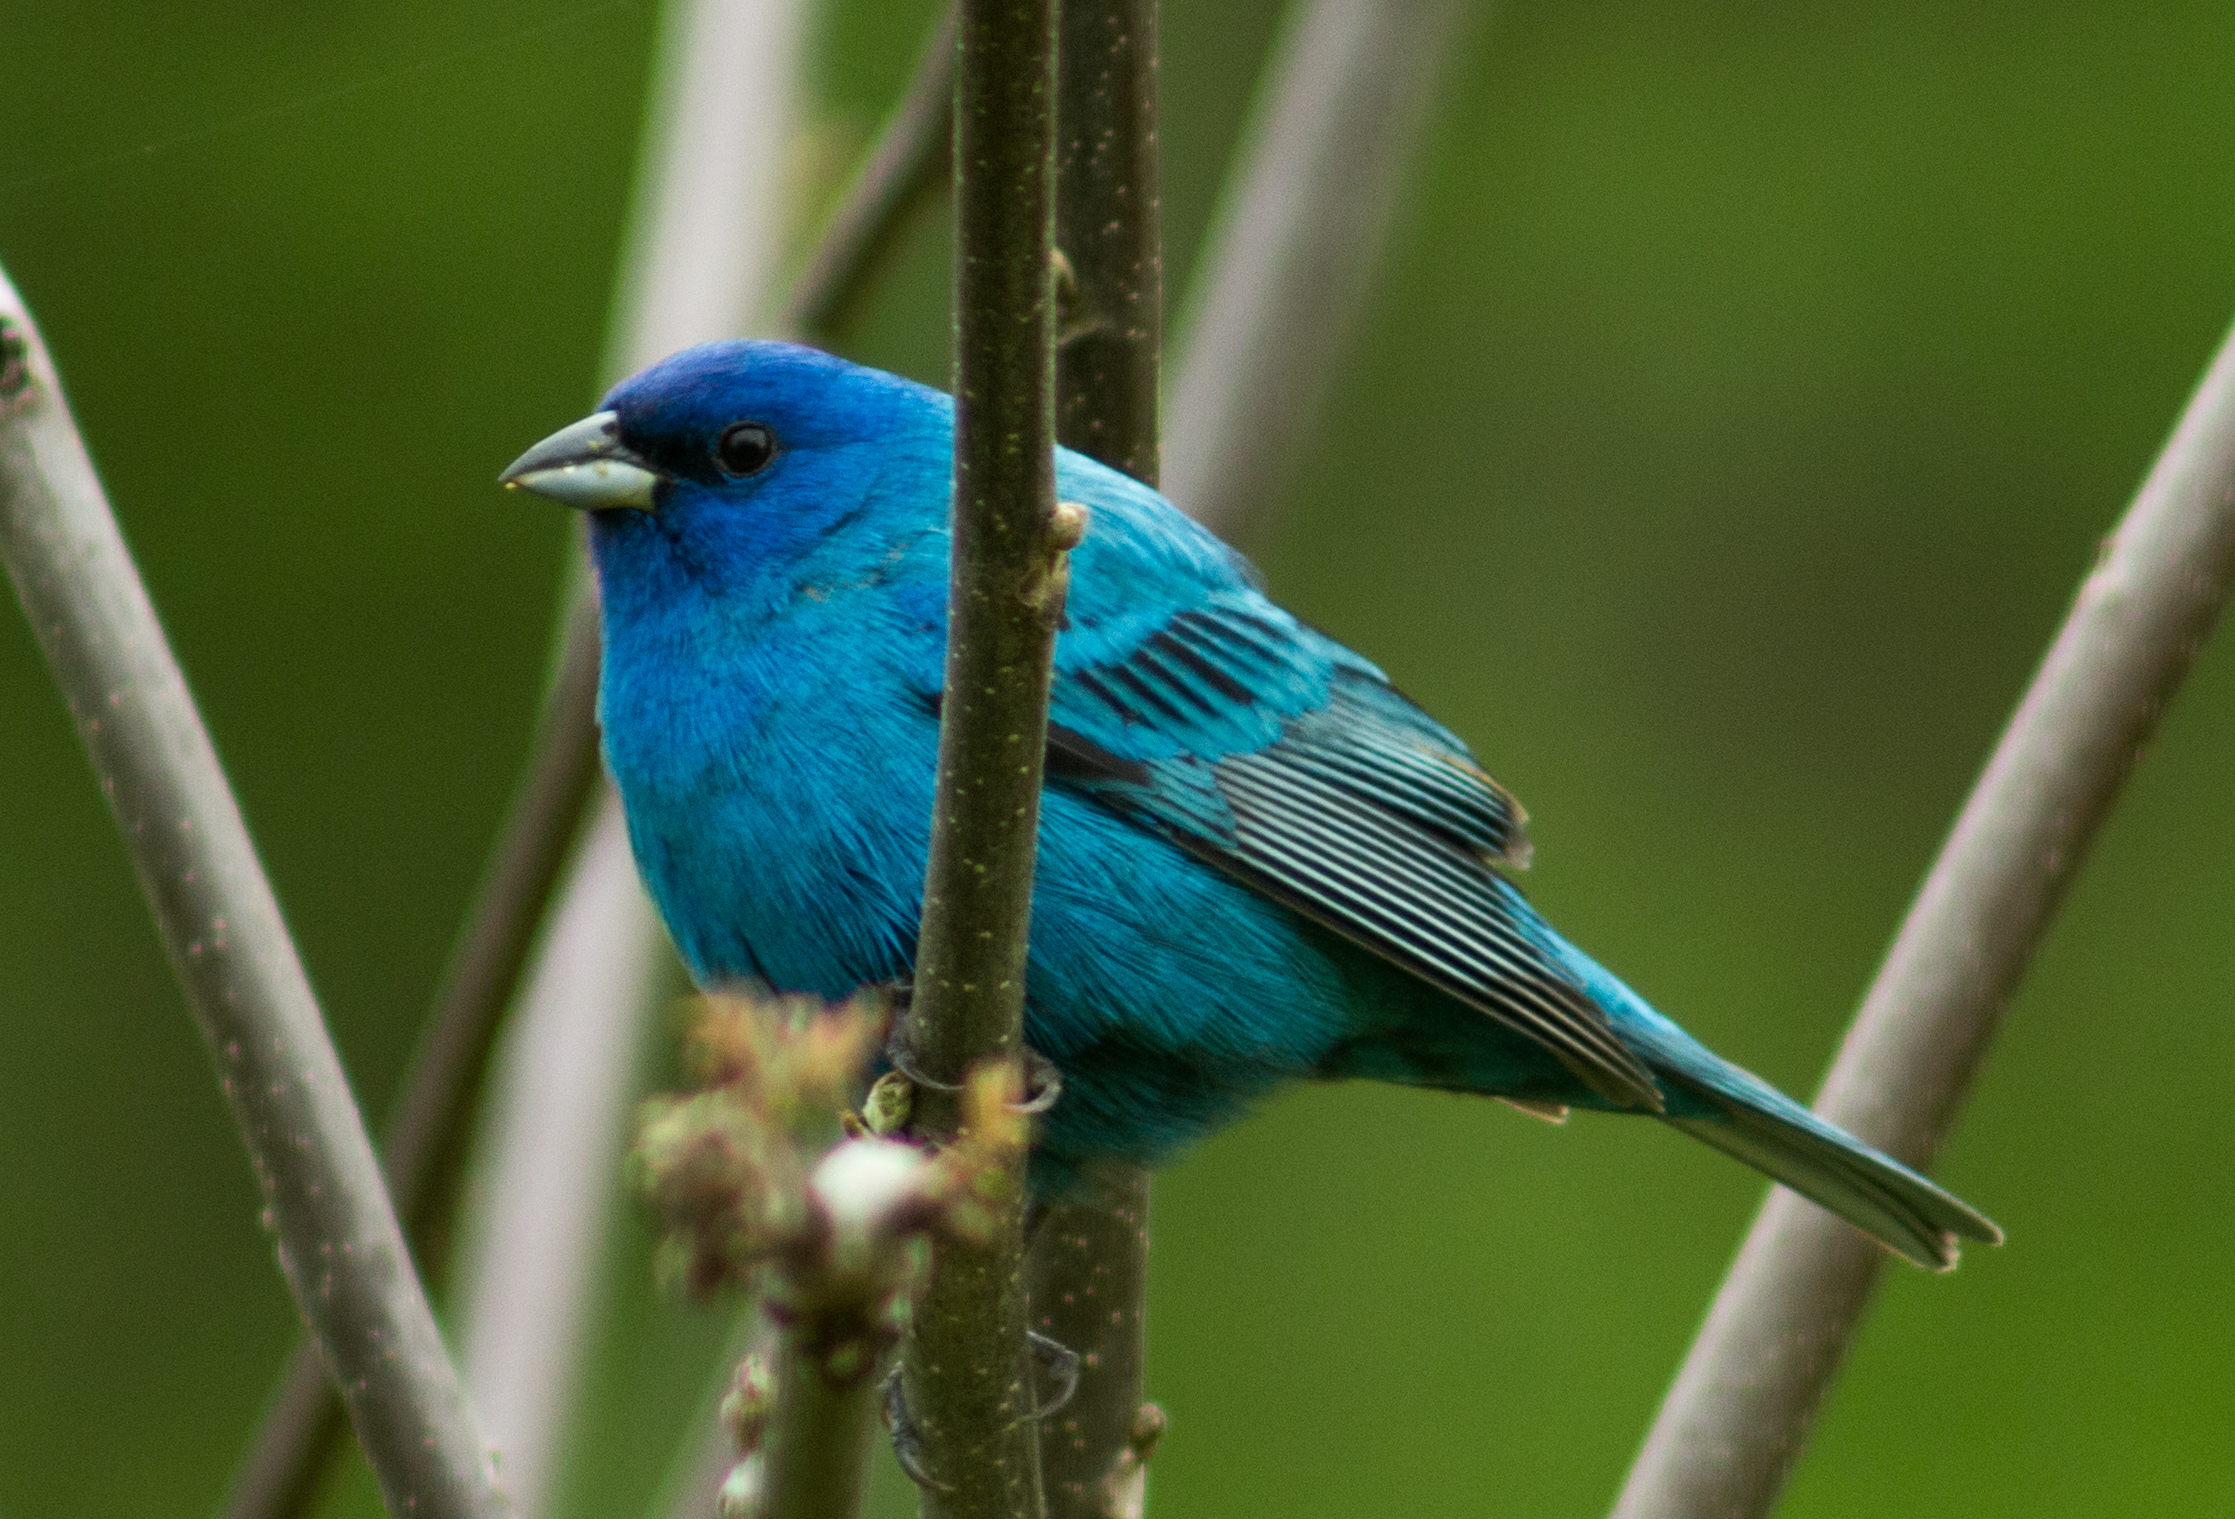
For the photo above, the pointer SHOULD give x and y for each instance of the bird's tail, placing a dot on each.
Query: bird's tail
(1903, 1211)
(1747, 1118)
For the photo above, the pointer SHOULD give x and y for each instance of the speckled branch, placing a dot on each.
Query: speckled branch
(339, 1244)
(1739, 1413)
(1089, 1264)
(965, 1367)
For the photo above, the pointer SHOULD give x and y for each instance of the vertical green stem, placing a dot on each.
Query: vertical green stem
(1110, 228)
(966, 1374)
(1089, 1289)
(818, 1443)
(1089, 1267)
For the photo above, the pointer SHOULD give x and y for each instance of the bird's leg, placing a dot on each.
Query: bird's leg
(899, 992)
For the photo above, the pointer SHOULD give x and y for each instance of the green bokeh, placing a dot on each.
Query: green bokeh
(1744, 395)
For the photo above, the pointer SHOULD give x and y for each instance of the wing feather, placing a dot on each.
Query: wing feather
(1438, 913)
(1284, 760)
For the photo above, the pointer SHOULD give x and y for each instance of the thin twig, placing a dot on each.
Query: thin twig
(302, 1425)
(560, 1110)
(965, 1369)
(1739, 1412)
(704, 246)
(1288, 263)
(906, 168)
(1089, 1264)
(278, 1475)
(818, 1443)
(425, 1134)
(339, 1243)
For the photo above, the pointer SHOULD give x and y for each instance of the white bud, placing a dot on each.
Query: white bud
(862, 1181)
(744, 1492)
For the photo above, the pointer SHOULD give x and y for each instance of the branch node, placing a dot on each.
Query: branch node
(884, 1112)
(1066, 526)
(1125, 1489)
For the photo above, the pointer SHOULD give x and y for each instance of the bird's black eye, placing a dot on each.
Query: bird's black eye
(744, 448)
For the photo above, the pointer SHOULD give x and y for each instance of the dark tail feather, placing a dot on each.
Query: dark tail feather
(1751, 1120)
(1874, 1192)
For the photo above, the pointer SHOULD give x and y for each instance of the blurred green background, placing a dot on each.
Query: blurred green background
(1743, 395)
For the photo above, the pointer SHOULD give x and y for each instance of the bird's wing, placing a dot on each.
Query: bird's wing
(1289, 763)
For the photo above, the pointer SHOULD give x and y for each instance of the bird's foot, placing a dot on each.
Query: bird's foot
(902, 1060)
(1059, 1361)
(1043, 1083)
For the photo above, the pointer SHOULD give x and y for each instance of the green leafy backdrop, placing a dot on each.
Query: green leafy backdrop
(1743, 396)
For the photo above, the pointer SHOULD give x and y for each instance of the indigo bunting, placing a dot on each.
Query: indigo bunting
(1258, 861)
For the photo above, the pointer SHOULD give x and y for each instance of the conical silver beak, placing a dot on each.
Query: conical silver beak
(586, 467)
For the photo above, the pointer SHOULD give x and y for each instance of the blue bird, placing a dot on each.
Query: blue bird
(1259, 863)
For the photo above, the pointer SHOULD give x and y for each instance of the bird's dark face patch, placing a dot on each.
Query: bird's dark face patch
(773, 462)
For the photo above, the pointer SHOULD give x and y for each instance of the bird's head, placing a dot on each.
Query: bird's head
(744, 469)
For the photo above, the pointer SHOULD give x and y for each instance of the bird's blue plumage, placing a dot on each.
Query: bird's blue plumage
(1258, 862)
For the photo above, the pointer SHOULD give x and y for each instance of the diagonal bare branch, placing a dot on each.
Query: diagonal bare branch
(339, 1243)
(907, 168)
(1739, 1413)
(704, 246)
(1287, 265)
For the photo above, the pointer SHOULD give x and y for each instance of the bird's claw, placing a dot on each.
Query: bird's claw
(907, 1438)
(1043, 1083)
(897, 1056)
(1062, 1363)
